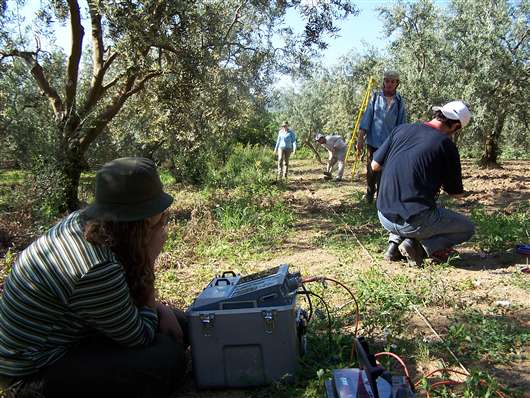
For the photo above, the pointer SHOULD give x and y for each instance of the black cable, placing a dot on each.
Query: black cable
(308, 298)
(327, 312)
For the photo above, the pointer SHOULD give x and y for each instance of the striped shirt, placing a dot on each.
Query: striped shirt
(61, 290)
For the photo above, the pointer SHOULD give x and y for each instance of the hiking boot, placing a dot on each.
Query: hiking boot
(338, 179)
(327, 174)
(412, 251)
(443, 255)
(392, 252)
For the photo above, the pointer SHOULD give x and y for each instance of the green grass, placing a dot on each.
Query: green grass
(499, 231)
(360, 220)
(487, 336)
(10, 183)
(242, 225)
(241, 217)
(520, 280)
(12, 177)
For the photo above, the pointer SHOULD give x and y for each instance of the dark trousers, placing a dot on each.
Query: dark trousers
(98, 367)
(373, 178)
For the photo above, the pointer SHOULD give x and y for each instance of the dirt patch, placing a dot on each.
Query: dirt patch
(504, 189)
(476, 278)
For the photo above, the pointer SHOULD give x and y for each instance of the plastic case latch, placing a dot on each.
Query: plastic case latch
(207, 321)
(269, 317)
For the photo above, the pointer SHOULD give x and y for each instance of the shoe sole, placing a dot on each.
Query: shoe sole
(410, 256)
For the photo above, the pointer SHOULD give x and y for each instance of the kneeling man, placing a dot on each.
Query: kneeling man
(417, 160)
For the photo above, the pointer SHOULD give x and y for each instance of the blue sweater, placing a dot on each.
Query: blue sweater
(286, 140)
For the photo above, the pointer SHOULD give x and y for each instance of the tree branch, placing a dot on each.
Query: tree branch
(75, 55)
(140, 86)
(234, 21)
(39, 76)
(99, 65)
(129, 89)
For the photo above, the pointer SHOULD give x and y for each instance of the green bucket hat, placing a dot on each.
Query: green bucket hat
(128, 189)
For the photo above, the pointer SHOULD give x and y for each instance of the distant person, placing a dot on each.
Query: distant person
(285, 147)
(417, 161)
(78, 312)
(336, 148)
(385, 111)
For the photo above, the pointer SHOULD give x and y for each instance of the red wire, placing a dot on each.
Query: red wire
(481, 381)
(397, 358)
(441, 370)
(444, 382)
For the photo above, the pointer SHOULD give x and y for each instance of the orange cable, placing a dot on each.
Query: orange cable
(444, 382)
(397, 358)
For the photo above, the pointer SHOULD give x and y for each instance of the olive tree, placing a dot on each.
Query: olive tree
(475, 51)
(135, 43)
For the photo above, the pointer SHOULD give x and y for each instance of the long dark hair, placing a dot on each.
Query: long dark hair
(129, 242)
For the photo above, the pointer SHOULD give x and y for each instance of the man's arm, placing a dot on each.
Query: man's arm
(361, 137)
(452, 179)
(381, 154)
(277, 143)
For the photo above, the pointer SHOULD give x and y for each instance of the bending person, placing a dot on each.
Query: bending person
(78, 315)
(417, 160)
(336, 148)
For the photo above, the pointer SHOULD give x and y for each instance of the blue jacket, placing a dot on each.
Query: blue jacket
(286, 140)
(378, 122)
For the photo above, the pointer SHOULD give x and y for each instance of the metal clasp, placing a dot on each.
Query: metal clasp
(207, 321)
(269, 318)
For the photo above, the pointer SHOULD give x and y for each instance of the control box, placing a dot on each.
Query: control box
(271, 287)
(244, 342)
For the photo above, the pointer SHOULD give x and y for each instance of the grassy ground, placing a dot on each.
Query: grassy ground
(478, 303)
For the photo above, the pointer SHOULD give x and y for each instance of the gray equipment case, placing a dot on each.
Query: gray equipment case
(246, 331)
(244, 347)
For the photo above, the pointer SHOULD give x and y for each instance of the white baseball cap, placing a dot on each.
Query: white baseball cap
(455, 110)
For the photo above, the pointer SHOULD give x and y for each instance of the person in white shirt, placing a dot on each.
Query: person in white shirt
(336, 153)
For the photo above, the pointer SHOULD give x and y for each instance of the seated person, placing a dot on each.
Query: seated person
(417, 160)
(78, 315)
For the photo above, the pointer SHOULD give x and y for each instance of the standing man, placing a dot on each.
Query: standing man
(285, 145)
(336, 153)
(385, 111)
(417, 160)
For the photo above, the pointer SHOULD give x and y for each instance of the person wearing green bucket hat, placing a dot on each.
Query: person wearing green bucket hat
(78, 310)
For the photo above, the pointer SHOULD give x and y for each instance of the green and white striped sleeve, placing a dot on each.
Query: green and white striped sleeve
(101, 297)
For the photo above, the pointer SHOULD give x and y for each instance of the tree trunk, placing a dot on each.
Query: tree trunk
(70, 164)
(309, 143)
(491, 153)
